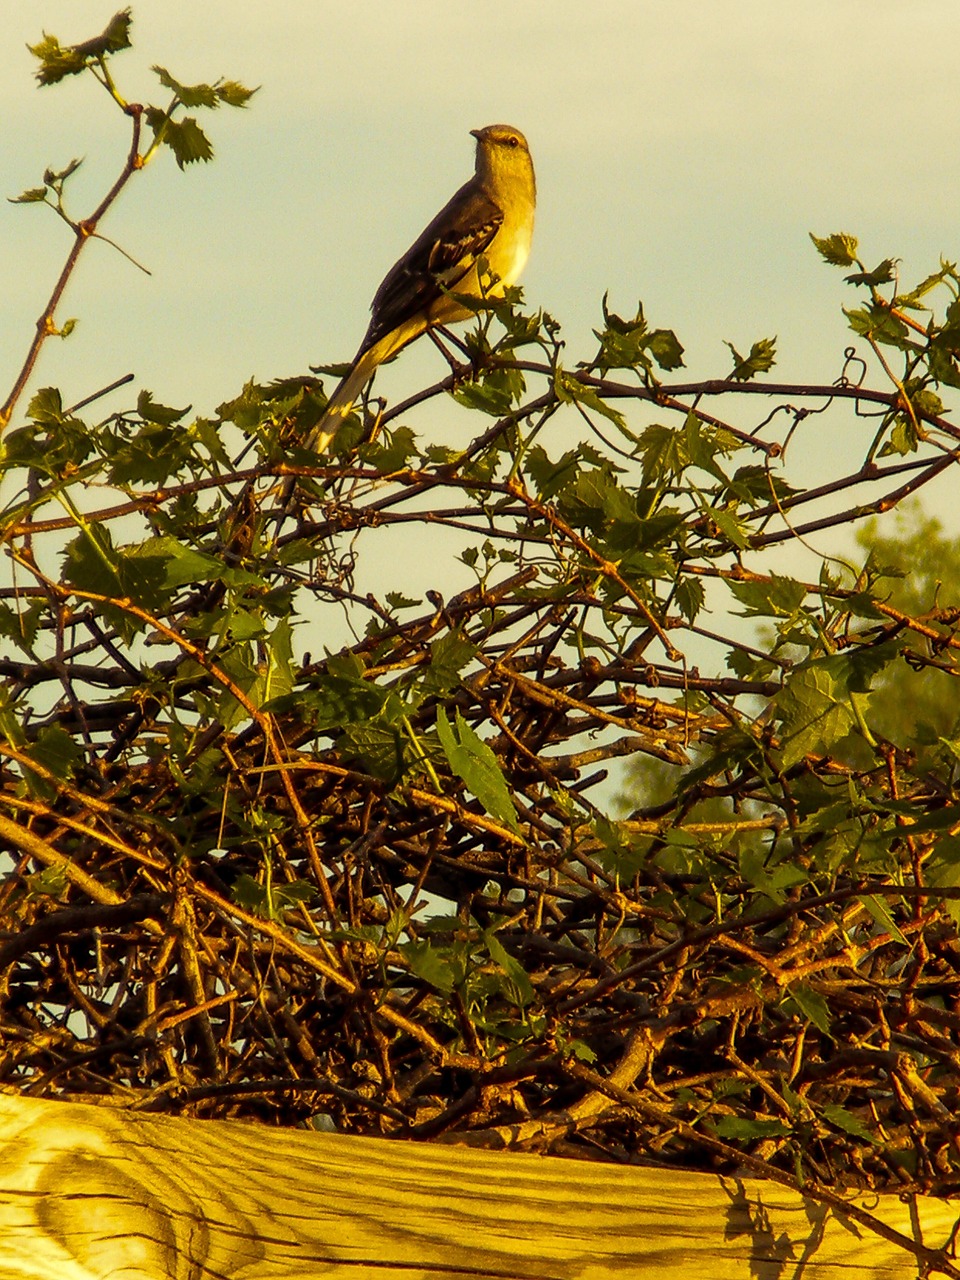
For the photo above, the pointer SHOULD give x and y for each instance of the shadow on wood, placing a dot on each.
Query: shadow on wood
(89, 1192)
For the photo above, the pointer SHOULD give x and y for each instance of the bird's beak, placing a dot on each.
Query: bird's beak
(476, 133)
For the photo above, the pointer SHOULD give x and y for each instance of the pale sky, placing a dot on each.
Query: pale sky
(683, 153)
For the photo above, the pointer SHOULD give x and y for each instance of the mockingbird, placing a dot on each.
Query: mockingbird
(490, 217)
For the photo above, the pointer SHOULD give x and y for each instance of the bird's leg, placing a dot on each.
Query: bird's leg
(372, 416)
(460, 371)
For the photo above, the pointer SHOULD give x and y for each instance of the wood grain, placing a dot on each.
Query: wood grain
(91, 1193)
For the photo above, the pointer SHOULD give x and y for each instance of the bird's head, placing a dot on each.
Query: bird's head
(502, 153)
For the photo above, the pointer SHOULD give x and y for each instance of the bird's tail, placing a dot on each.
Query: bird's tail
(339, 405)
(345, 395)
(341, 402)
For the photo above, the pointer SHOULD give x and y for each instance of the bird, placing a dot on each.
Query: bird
(490, 218)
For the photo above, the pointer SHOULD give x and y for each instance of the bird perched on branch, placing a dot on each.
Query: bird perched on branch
(489, 218)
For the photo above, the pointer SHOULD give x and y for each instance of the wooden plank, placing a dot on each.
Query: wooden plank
(97, 1193)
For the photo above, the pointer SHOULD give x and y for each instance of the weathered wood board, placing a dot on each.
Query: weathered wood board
(97, 1193)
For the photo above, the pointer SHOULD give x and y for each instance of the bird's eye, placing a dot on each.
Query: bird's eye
(512, 141)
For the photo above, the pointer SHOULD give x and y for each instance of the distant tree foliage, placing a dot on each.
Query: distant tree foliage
(252, 872)
(919, 568)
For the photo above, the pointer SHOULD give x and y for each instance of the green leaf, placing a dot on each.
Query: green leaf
(912, 297)
(881, 914)
(627, 344)
(252, 896)
(773, 881)
(621, 348)
(942, 871)
(238, 663)
(811, 1005)
(880, 325)
(731, 751)
(840, 1118)
(279, 676)
(186, 140)
(665, 348)
(378, 746)
(624, 852)
(923, 822)
(747, 665)
(924, 400)
(596, 498)
(570, 389)
(33, 195)
(197, 95)
(520, 984)
(761, 358)
(359, 933)
(580, 1050)
(341, 698)
(552, 477)
(881, 274)
(155, 452)
(392, 451)
(814, 714)
(430, 964)
(817, 708)
(243, 624)
(690, 595)
(58, 62)
(21, 623)
(233, 94)
(46, 407)
(617, 324)
(51, 882)
(775, 597)
(179, 564)
(839, 250)
(487, 398)
(397, 600)
(740, 1129)
(449, 655)
(114, 37)
(56, 750)
(91, 562)
(754, 484)
(734, 530)
(829, 817)
(293, 892)
(150, 411)
(57, 177)
(472, 760)
(943, 365)
(665, 452)
(705, 444)
(903, 438)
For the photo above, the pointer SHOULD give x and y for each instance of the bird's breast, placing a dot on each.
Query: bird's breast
(515, 245)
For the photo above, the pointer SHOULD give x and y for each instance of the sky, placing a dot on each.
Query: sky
(683, 154)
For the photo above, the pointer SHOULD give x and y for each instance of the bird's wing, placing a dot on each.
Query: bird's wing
(437, 261)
